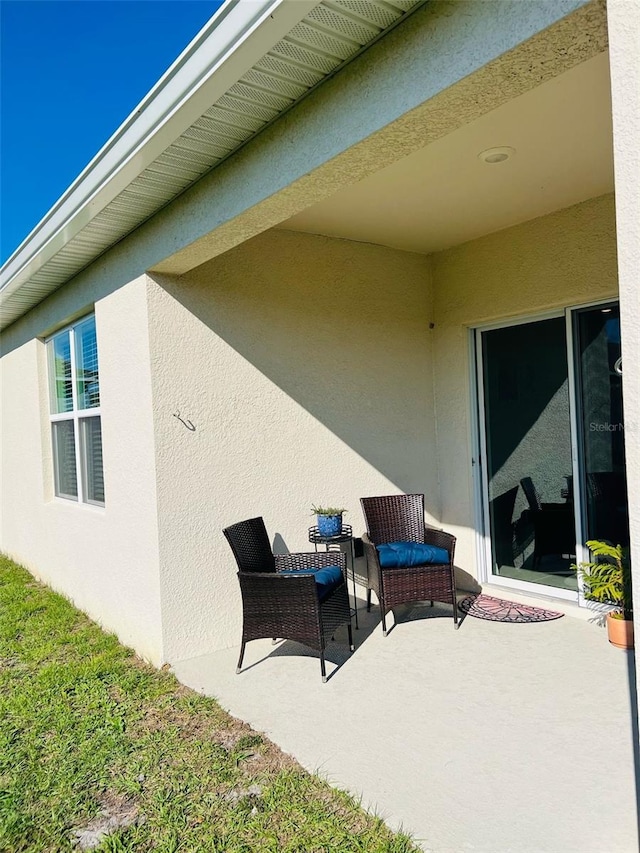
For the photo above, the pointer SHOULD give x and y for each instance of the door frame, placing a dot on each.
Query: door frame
(480, 485)
(483, 547)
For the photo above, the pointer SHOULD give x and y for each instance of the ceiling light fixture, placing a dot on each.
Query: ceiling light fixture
(496, 155)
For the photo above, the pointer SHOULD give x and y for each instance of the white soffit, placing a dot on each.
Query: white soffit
(252, 61)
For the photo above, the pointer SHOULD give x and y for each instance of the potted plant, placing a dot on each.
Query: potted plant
(609, 581)
(328, 519)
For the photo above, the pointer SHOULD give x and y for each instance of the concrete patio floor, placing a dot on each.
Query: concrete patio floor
(497, 737)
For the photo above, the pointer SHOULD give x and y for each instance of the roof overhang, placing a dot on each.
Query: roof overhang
(252, 62)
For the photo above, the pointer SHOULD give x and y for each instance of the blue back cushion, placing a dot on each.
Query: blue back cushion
(395, 555)
(327, 578)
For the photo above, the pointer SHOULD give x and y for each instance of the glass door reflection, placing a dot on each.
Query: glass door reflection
(527, 427)
(598, 362)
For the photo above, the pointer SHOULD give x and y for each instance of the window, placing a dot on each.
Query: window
(76, 433)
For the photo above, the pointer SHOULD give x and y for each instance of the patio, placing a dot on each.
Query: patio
(496, 737)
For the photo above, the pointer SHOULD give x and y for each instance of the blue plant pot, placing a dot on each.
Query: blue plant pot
(329, 525)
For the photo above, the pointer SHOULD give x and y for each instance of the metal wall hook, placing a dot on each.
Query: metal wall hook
(189, 424)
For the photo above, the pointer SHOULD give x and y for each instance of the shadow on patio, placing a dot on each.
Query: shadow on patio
(496, 737)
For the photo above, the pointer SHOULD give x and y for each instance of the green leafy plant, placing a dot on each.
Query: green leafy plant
(324, 510)
(608, 579)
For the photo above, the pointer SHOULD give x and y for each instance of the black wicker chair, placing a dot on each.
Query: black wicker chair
(286, 605)
(400, 518)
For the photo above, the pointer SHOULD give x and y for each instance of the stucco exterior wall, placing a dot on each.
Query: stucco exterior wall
(563, 259)
(304, 366)
(104, 559)
(305, 369)
(239, 349)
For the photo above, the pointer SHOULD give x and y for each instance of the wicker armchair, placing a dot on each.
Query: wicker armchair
(286, 605)
(400, 518)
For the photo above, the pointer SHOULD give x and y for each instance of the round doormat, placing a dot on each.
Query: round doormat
(499, 610)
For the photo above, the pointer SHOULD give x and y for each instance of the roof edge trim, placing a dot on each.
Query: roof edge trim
(225, 48)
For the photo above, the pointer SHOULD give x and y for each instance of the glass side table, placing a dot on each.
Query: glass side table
(345, 535)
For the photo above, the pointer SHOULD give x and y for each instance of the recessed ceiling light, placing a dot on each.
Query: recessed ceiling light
(496, 155)
(605, 310)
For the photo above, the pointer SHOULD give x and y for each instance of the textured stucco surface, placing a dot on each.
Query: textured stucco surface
(563, 259)
(104, 559)
(239, 345)
(447, 64)
(307, 366)
(304, 364)
(450, 63)
(311, 374)
(624, 32)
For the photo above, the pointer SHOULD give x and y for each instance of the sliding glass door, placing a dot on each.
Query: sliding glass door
(528, 453)
(598, 361)
(550, 417)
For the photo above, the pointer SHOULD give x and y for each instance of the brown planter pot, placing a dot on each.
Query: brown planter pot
(620, 632)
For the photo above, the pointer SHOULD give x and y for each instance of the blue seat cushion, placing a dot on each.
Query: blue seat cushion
(327, 578)
(395, 555)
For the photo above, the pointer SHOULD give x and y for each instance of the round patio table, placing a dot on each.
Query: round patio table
(345, 535)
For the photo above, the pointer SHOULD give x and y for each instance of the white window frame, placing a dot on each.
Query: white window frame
(75, 415)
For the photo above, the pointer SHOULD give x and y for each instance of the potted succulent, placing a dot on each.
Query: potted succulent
(609, 581)
(328, 519)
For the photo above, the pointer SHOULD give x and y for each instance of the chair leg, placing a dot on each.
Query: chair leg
(274, 640)
(351, 646)
(242, 648)
(456, 623)
(322, 667)
(384, 623)
(368, 600)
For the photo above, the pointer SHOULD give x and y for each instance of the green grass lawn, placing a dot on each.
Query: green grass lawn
(92, 739)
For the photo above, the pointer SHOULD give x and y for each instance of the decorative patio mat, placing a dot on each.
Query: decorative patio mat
(499, 610)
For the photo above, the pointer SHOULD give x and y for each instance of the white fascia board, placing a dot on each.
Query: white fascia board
(231, 42)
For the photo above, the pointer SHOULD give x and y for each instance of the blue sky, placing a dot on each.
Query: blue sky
(71, 71)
